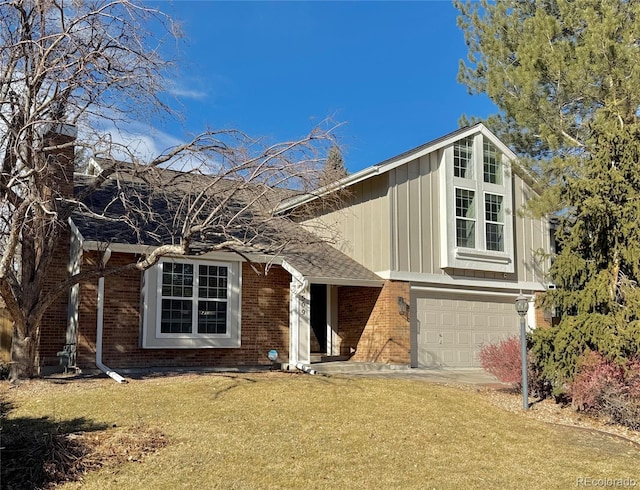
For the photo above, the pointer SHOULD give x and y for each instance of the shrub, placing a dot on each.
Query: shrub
(621, 407)
(595, 374)
(608, 388)
(559, 350)
(503, 360)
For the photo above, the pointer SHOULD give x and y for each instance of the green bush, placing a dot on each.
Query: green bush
(557, 351)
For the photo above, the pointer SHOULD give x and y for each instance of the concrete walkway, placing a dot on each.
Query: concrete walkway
(435, 375)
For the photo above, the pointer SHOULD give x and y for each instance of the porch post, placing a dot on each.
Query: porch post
(299, 323)
(332, 321)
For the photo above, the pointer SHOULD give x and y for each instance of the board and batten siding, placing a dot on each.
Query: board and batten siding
(392, 222)
(534, 236)
(414, 191)
(414, 194)
(361, 228)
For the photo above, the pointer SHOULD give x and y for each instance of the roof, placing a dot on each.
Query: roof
(401, 159)
(320, 263)
(130, 208)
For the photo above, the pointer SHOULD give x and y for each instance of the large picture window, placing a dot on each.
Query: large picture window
(194, 298)
(191, 303)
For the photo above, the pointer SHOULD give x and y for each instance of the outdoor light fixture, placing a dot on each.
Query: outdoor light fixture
(522, 306)
(273, 357)
(403, 307)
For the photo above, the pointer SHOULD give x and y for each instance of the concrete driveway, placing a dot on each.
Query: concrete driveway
(434, 375)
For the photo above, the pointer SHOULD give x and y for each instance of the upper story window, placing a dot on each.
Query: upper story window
(492, 163)
(465, 218)
(494, 222)
(463, 158)
(476, 192)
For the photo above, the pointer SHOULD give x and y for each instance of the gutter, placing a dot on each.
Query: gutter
(99, 325)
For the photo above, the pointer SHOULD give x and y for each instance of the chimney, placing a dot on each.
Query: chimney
(60, 159)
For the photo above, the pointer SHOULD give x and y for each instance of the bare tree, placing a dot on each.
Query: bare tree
(68, 65)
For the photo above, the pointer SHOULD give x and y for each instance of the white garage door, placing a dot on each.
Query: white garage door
(452, 328)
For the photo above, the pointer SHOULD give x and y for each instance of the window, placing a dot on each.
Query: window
(193, 302)
(494, 222)
(212, 305)
(463, 158)
(476, 191)
(177, 313)
(465, 218)
(492, 163)
(190, 304)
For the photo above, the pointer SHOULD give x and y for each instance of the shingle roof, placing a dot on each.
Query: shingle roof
(126, 210)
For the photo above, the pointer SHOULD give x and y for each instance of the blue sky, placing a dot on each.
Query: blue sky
(386, 69)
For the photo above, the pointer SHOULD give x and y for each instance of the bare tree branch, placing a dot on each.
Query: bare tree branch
(67, 65)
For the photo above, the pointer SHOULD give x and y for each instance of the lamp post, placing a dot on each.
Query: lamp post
(522, 306)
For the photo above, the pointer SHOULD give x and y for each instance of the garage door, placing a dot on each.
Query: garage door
(452, 328)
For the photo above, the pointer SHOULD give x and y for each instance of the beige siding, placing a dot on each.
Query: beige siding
(416, 235)
(532, 237)
(393, 221)
(361, 228)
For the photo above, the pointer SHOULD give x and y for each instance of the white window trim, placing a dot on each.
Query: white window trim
(151, 298)
(478, 258)
(194, 300)
(475, 220)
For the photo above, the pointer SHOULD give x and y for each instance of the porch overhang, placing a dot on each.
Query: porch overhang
(332, 280)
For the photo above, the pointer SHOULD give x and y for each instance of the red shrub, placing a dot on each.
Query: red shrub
(503, 360)
(632, 377)
(595, 376)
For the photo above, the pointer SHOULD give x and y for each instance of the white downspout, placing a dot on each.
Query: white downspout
(99, 324)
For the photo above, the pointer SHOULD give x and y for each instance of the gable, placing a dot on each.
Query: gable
(408, 225)
(402, 159)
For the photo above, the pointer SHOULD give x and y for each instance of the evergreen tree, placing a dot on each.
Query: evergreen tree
(565, 77)
(334, 168)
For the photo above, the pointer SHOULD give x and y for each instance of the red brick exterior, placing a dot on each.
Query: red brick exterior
(368, 320)
(59, 180)
(544, 318)
(265, 323)
(369, 323)
(53, 328)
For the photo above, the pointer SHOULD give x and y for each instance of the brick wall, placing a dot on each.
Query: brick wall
(369, 323)
(53, 328)
(59, 181)
(544, 319)
(265, 323)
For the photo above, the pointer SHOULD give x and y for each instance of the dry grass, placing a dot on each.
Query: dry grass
(296, 431)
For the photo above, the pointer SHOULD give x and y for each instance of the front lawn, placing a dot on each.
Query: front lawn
(297, 431)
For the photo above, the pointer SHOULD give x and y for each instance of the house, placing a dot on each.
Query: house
(441, 224)
(430, 256)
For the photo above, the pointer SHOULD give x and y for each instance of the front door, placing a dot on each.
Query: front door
(319, 318)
